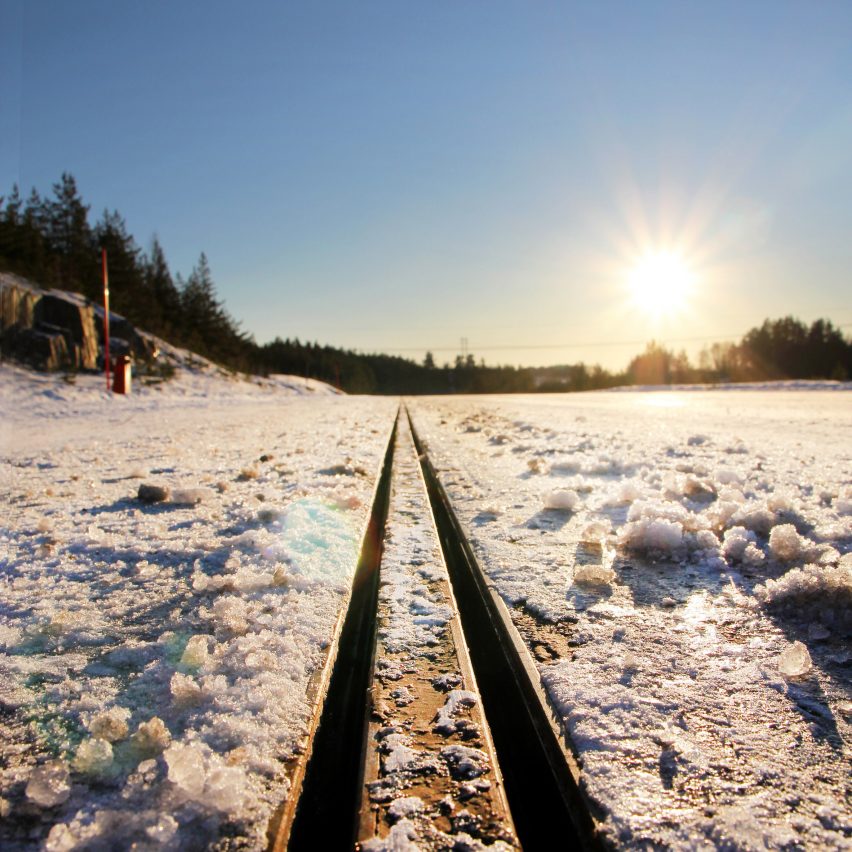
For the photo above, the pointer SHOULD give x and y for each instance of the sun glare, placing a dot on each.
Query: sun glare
(661, 282)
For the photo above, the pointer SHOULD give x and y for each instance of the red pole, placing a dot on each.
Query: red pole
(106, 317)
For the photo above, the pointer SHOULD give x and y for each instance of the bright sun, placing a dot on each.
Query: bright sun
(661, 282)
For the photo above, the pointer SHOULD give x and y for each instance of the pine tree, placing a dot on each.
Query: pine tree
(70, 239)
(206, 321)
(31, 245)
(129, 293)
(10, 224)
(163, 290)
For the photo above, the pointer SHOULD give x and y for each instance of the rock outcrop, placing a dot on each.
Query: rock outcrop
(56, 330)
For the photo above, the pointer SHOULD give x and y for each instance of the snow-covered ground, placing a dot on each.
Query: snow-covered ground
(679, 565)
(156, 658)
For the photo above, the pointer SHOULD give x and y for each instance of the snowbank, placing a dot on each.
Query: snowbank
(157, 655)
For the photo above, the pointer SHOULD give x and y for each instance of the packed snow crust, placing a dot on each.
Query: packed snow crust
(156, 658)
(678, 564)
(690, 611)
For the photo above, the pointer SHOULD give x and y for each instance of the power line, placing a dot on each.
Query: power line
(717, 338)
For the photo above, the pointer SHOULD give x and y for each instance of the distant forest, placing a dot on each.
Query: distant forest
(51, 241)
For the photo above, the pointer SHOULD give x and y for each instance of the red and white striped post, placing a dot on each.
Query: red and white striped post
(106, 318)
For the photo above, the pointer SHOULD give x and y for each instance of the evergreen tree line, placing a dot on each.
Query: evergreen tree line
(51, 241)
(778, 349)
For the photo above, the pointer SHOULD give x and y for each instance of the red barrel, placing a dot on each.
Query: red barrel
(121, 374)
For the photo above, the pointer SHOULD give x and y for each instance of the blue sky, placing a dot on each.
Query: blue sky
(396, 176)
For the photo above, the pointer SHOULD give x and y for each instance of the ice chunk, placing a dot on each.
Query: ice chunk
(405, 807)
(653, 510)
(563, 500)
(594, 575)
(795, 661)
(185, 691)
(9, 636)
(186, 768)
(706, 540)
(400, 839)
(786, 545)
(757, 518)
(60, 839)
(697, 489)
(402, 696)
(447, 681)
(596, 531)
(401, 757)
(740, 545)
(202, 776)
(779, 502)
(111, 725)
(151, 737)
(753, 555)
(60, 622)
(648, 535)
(49, 784)
(565, 466)
(629, 492)
(94, 757)
(721, 513)
(230, 615)
(465, 762)
(195, 654)
(446, 722)
(225, 787)
(163, 830)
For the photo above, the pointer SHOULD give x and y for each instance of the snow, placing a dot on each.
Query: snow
(562, 500)
(786, 545)
(465, 762)
(157, 657)
(48, 784)
(715, 527)
(683, 556)
(446, 722)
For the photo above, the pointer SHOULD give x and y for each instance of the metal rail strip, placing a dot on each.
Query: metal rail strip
(419, 667)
